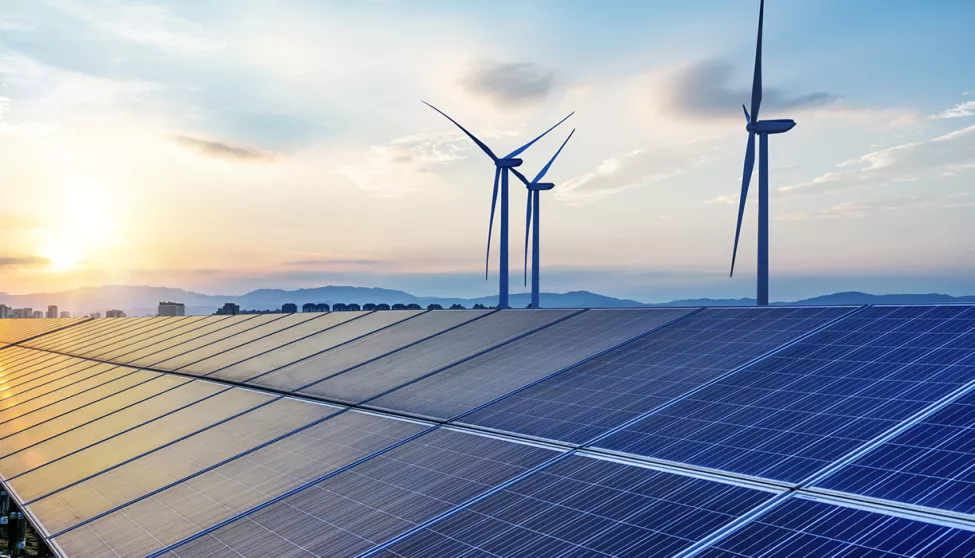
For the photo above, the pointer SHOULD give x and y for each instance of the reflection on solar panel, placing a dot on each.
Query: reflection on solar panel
(593, 398)
(167, 516)
(854, 426)
(388, 372)
(375, 501)
(587, 507)
(369, 347)
(481, 379)
(802, 527)
(790, 415)
(930, 464)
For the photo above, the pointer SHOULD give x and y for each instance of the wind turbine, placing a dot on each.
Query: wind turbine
(762, 128)
(502, 165)
(532, 208)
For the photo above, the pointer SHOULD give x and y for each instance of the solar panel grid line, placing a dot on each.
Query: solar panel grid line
(20, 405)
(20, 376)
(200, 328)
(113, 435)
(209, 356)
(477, 352)
(206, 469)
(97, 331)
(717, 379)
(40, 334)
(893, 507)
(408, 345)
(156, 328)
(722, 533)
(292, 492)
(577, 364)
(470, 357)
(43, 360)
(66, 372)
(27, 354)
(158, 448)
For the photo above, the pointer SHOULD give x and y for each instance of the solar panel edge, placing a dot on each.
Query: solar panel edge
(62, 328)
(892, 507)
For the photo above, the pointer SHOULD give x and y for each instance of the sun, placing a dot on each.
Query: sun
(62, 255)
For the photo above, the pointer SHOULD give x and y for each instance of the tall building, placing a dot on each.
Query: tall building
(52, 311)
(289, 308)
(172, 309)
(65, 314)
(114, 314)
(229, 309)
(4, 311)
(26, 312)
(37, 314)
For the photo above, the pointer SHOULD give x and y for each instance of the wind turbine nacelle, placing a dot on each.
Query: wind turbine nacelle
(541, 186)
(509, 163)
(771, 126)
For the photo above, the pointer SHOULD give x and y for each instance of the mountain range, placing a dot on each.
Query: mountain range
(139, 300)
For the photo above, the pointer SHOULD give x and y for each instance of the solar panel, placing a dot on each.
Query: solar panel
(375, 377)
(125, 354)
(803, 527)
(930, 464)
(365, 348)
(373, 501)
(35, 450)
(482, 379)
(20, 404)
(170, 515)
(12, 331)
(106, 337)
(165, 328)
(174, 463)
(93, 459)
(597, 396)
(12, 375)
(366, 325)
(43, 382)
(582, 506)
(788, 416)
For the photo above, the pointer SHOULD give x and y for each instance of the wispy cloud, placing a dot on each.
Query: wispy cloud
(510, 83)
(337, 262)
(868, 208)
(23, 261)
(942, 156)
(962, 109)
(221, 150)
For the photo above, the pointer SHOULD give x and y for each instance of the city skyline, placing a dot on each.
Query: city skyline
(225, 150)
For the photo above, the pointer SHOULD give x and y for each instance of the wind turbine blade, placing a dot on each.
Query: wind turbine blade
(544, 170)
(479, 143)
(746, 177)
(518, 151)
(494, 202)
(748, 119)
(520, 176)
(528, 228)
(757, 81)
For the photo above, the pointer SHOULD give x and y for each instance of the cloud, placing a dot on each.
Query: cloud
(635, 169)
(962, 109)
(703, 90)
(220, 150)
(337, 262)
(509, 83)
(942, 156)
(868, 208)
(141, 22)
(25, 261)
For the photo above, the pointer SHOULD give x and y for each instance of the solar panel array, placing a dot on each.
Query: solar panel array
(777, 431)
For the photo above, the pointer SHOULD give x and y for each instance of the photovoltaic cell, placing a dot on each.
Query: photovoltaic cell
(165, 329)
(371, 346)
(385, 373)
(122, 484)
(57, 391)
(246, 368)
(373, 501)
(58, 446)
(593, 398)
(788, 416)
(931, 464)
(128, 353)
(42, 383)
(482, 379)
(583, 506)
(12, 331)
(802, 527)
(180, 511)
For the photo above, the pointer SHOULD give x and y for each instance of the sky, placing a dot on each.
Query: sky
(227, 145)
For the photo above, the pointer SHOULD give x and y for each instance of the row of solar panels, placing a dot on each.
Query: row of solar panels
(750, 423)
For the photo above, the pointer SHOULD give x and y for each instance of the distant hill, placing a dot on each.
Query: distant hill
(137, 300)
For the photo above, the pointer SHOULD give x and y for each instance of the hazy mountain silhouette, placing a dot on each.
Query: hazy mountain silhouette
(137, 300)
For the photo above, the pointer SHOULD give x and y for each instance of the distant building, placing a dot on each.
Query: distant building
(309, 307)
(228, 309)
(172, 309)
(52, 311)
(4, 311)
(114, 314)
(26, 312)
(37, 314)
(289, 308)
(65, 314)
(95, 315)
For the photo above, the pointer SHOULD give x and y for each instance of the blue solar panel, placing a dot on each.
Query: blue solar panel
(788, 416)
(930, 464)
(374, 501)
(801, 527)
(591, 399)
(583, 506)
